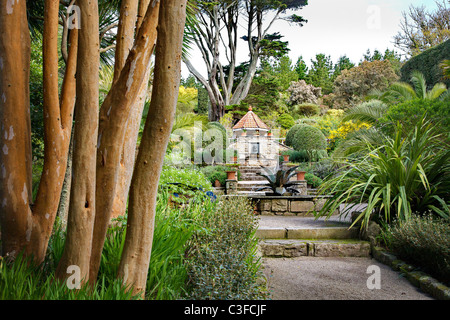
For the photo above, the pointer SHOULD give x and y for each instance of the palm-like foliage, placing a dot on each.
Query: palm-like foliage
(191, 22)
(188, 120)
(368, 112)
(278, 181)
(108, 11)
(356, 143)
(184, 128)
(401, 91)
(108, 19)
(400, 175)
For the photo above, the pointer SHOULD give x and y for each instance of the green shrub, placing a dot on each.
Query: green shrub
(223, 263)
(310, 139)
(183, 181)
(214, 173)
(290, 135)
(219, 172)
(409, 112)
(310, 121)
(286, 121)
(423, 242)
(296, 156)
(324, 168)
(313, 180)
(307, 109)
(174, 227)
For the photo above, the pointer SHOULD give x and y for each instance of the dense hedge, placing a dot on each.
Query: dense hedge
(428, 63)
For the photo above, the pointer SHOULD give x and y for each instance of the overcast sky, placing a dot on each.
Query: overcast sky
(337, 28)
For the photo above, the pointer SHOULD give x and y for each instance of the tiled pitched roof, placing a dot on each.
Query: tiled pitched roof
(250, 121)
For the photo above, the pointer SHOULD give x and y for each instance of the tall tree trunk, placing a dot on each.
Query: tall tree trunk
(82, 200)
(135, 259)
(114, 115)
(24, 226)
(243, 87)
(217, 107)
(15, 148)
(128, 154)
(57, 130)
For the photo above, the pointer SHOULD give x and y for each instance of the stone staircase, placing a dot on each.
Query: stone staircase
(292, 236)
(249, 180)
(249, 173)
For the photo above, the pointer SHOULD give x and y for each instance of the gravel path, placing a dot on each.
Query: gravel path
(314, 278)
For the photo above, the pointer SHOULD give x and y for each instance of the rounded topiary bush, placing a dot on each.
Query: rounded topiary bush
(309, 138)
(290, 135)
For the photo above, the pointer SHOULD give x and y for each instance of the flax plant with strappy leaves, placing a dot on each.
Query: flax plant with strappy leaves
(401, 174)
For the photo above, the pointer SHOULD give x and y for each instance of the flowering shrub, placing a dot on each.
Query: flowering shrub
(327, 123)
(344, 129)
(335, 112)
(301, 92)
(355, 83)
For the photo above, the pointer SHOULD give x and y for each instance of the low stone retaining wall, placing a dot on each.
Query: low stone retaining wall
(314, 248)
(288, 206)
(418, 278)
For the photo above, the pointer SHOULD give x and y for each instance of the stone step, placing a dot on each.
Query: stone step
(292, 232)
(250, 193)
(251, 169)
(252, 178)
(250, 174)
(314, 248)
(256, 169)
(251, 183)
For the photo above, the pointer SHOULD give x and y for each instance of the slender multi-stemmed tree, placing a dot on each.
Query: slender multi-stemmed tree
(101, 133)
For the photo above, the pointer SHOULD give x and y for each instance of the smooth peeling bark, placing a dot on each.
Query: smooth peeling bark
(125, 34)
(82, 200)
(16, 218)
(114, 115)
(58, 117)
(128, 154)
(25, 228)
(133, 268)
(143, 6)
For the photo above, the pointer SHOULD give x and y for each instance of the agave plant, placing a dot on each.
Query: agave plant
(279, 180)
